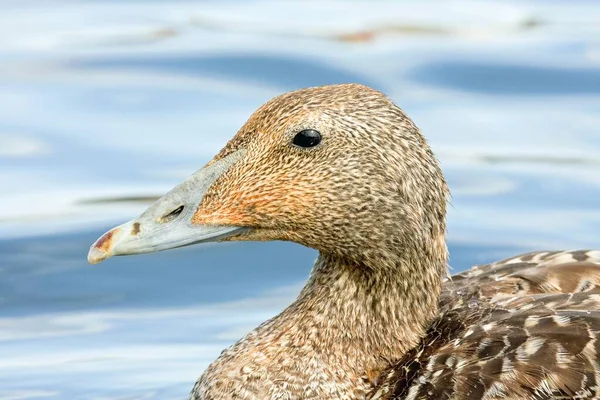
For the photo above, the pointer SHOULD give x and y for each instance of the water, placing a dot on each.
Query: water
(105, 105)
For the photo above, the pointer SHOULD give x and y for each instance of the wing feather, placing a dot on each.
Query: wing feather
(520, 328)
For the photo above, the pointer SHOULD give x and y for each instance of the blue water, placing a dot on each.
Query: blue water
(106, 105)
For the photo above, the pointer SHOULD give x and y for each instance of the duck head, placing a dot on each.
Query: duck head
(337, 168)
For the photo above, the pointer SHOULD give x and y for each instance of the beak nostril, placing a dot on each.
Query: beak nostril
(171, 215)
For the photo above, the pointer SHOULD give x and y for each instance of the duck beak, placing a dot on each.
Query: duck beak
(167, 223)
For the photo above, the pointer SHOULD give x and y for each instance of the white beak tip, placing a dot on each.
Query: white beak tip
(101, 249)
(95, 255)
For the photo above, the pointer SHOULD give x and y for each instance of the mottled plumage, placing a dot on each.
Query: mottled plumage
(521, 328)
(378, 318)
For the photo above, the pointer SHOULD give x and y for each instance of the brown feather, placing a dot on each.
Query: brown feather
(521, 328)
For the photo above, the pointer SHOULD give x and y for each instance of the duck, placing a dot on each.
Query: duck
(343, 170)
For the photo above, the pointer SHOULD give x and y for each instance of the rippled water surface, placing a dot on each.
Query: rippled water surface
(106, 105)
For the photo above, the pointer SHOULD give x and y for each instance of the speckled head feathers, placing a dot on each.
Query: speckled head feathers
(371, 184)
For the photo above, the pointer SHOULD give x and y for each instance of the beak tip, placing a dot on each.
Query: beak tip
(96, 255)
(102, 248)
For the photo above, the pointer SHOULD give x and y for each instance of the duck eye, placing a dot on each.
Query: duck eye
(307, 138)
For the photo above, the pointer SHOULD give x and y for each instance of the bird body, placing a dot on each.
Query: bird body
(521, 328)
(343, 170)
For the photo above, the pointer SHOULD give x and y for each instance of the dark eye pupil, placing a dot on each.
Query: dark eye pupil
(307, 138)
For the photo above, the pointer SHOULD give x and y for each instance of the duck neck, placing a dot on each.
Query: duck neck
(378, 314)
(350, 322)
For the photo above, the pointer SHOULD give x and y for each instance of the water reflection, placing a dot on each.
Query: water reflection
(51, 274)
(288, 73)
(506, 79)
